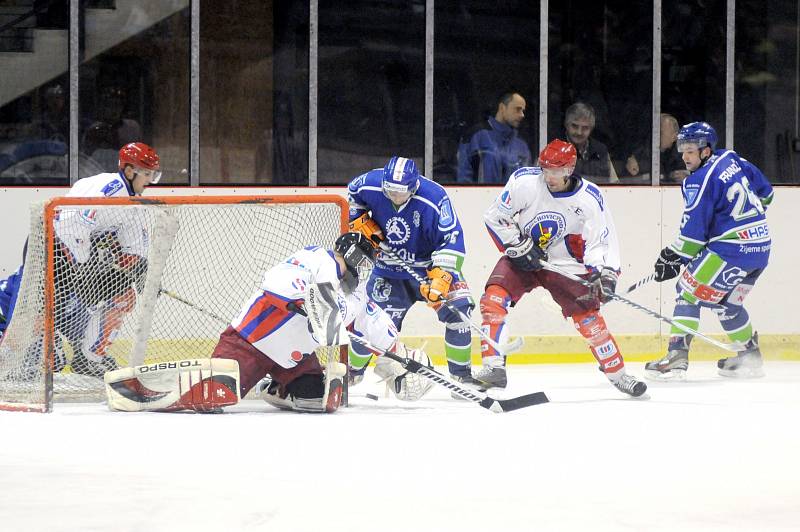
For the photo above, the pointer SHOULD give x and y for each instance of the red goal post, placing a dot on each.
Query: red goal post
(204, 256)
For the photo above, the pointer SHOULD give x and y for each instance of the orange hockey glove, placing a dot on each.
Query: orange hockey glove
(438, 285)
(369, 228)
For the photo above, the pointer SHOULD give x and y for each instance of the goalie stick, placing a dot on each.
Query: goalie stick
(489, 403)
(188, 303)
(653, 313)
(504, 349)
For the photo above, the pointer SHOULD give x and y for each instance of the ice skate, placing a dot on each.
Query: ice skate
(493, 372)
(628, 384)
(747, 364)
(672, 367)
(467, 381)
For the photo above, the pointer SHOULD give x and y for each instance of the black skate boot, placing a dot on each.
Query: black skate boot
(747, 364)
(493, 372)
(83, 366)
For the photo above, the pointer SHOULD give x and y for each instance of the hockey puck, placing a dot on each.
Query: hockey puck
(371, 396)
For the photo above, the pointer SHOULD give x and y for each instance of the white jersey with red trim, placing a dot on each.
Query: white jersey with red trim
(268, 322)
(575, 228)
(76, 227)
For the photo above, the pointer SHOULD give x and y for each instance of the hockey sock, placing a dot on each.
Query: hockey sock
(494, 309)
(687, 314)
(592, 326)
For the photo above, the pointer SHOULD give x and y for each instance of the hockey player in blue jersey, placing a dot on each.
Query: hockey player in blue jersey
(413, 216)
(724, 242)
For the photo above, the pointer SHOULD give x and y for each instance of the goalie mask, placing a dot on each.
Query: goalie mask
(357, 253)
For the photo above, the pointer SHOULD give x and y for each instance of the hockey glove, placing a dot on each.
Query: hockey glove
(369, 228)
(437, 287)
(526, 255)
(604, 284)
(668, 265)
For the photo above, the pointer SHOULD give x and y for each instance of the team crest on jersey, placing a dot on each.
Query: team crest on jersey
(446, 217)
(381, 290)
(397, 231)
(546, 227)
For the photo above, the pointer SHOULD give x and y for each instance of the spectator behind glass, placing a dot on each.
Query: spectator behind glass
(111, 130)
(492, 150)
(671, 166)
(594, 163)
(54, 121)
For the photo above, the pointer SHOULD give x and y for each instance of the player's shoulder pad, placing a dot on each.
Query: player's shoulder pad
(113, 186)
(370, 178)
(593, 191)
(525, 171)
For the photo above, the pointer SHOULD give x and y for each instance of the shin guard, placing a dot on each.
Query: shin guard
(592, 326)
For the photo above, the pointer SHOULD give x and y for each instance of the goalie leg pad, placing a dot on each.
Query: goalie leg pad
(200, 385)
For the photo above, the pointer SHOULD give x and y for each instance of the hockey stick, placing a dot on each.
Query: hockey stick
(495, 405)
(504, 350)
(638, 284)
(188, 303)
(637, 306)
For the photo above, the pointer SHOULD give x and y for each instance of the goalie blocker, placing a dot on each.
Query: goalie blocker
(200, 385)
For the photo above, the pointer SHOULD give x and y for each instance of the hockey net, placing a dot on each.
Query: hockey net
(189, 265)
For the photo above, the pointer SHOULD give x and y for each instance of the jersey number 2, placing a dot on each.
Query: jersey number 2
(741, 196)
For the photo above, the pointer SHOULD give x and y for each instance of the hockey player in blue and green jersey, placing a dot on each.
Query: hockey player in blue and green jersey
(414, 218)
(724, 242)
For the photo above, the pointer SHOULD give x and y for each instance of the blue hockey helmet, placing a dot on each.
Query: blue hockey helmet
(700, 134)
(400, 179)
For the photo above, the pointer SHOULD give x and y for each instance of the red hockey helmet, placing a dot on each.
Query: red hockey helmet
(558, 154)
(143, 158)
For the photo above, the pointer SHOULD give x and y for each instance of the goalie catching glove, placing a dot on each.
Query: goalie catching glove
(526, 255)
(405, 385)
(369, 228)
(438, 285)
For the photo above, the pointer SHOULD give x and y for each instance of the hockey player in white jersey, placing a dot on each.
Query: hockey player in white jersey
(273, 340)
(547, 212)
(100, 261)
(724, 242)
(274, 333)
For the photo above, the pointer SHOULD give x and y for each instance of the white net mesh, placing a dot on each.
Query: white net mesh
(144, 281)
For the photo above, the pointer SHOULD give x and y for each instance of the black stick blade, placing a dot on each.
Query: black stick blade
(515, 403)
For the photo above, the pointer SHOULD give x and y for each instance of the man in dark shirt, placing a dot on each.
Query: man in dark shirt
(594, 162)
(492, 150)
(671, 165)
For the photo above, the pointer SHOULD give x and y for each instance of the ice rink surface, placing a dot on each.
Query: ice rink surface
(709, 454)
